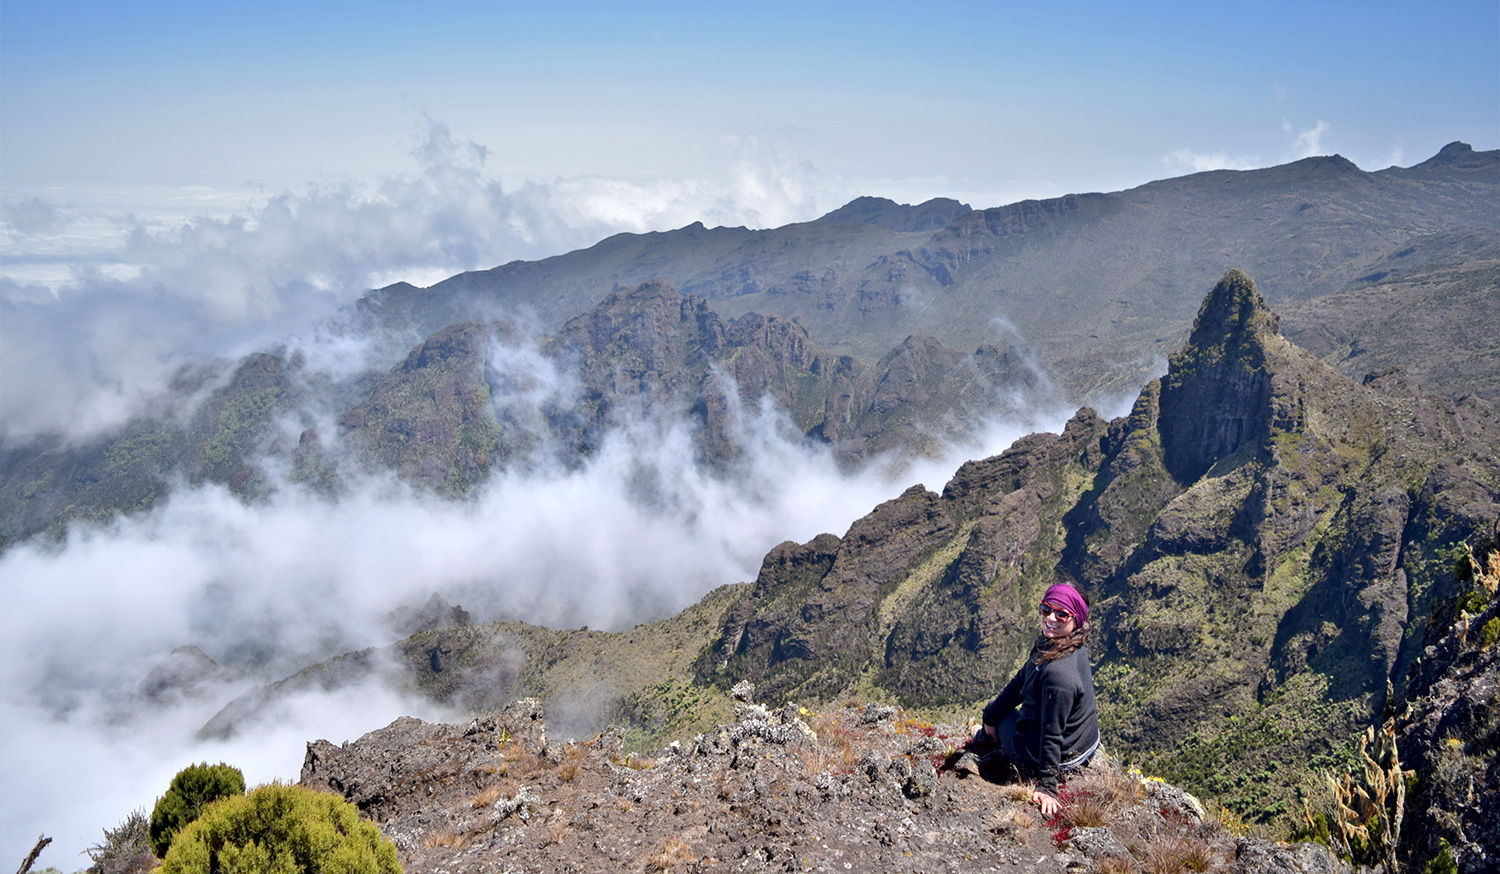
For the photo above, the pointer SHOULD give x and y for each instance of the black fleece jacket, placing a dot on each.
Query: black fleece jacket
(1057, 719)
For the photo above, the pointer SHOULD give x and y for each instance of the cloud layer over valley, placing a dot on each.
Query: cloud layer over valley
(267, 587)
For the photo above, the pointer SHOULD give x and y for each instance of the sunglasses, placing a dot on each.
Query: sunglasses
(1060, 614)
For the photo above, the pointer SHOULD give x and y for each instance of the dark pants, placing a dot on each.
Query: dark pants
(1001, 758)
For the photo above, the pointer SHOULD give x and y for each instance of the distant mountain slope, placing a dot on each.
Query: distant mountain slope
(1431, 310)
(1099, 284)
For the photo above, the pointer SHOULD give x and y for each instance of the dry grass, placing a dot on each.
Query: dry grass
(1017, 791)
(487, 796)
(1087, 811)
(494, 792)
(674, 853)
(1107, 782)
(517, 761)
(638, 763)
(1177, 854)
(567, 770)
(837, 743)
(1116, 865)
(445, 838)
(1094, 796)
(557, 829)
(814, 760)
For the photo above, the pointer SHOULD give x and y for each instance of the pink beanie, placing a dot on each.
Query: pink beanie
(1065, 596)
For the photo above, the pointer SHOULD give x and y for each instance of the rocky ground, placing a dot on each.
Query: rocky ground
(863, 787)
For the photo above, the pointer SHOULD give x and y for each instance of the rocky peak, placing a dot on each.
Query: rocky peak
(1231, 313)
(186, 671)
(1215, 398)
(1458, 154)
(885, 213)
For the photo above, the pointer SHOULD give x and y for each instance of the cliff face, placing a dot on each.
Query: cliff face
(1216, 396)
(1259, 535)
(1450, 735)
(651, 350)
(429, 419)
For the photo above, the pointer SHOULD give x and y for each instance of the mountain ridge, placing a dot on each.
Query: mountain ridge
(1305, 228)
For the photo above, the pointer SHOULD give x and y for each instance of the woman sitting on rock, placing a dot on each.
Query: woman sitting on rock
(1044, 722)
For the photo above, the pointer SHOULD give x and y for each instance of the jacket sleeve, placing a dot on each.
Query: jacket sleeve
(1056, 703)
(1008, 699)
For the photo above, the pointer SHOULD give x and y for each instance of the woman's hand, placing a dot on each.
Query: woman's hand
(1050, 806)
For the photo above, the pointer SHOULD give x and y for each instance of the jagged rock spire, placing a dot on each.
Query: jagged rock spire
(1216, 394)
(1234, 309)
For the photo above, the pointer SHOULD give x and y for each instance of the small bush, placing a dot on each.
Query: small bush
(126, 848)
(279, 829)
(194, 788)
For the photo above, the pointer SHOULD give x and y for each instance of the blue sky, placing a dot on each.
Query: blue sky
(965, 99)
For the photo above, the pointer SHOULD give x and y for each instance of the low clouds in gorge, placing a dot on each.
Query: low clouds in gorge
(636, 532)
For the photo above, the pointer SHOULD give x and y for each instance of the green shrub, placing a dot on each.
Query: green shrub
(1443, 862)
(279, 829)
(194, 788)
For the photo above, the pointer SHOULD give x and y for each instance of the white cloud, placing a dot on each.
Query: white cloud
(101, 304)
(1309, 142)
(1189, 161)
